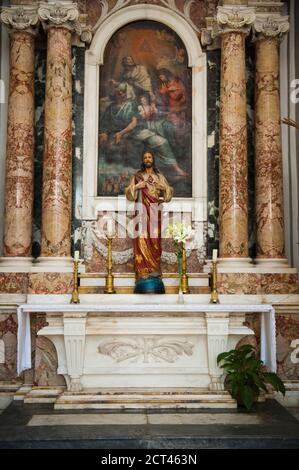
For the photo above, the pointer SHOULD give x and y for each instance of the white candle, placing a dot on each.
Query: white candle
(110, 227)
(214, 258)
(76, 256)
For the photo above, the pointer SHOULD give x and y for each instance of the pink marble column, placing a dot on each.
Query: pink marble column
(20, 147)
(268, 153)
(57, 170)
(233, 148)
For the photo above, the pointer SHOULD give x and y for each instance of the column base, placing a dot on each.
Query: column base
(272, 262)
(16, 264)
(53, 264)
(234, 263)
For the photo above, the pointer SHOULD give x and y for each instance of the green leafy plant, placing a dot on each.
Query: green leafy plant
(246, 375)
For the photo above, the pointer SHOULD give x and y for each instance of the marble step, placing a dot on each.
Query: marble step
(148, 399)
(42, 394)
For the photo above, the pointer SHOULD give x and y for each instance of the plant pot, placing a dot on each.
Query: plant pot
(240, 401)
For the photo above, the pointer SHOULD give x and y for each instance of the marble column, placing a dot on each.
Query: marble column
(19, 174)
(268, 150)
(57, 163)
(233, 245)
(59, 22)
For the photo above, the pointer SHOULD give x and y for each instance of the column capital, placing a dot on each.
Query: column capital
(267, 25)
(232, 19)
(64, 15)
(20, 18)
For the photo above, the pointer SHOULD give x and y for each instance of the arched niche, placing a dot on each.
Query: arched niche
(196, 60)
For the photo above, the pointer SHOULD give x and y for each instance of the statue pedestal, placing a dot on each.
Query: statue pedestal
(142, 350)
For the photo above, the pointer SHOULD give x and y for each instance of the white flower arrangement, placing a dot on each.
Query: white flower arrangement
(180, 232)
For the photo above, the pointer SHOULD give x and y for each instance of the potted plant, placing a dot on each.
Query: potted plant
(246, 375)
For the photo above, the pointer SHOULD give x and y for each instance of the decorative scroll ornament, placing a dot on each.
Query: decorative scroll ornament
(271, 25)
(93, 237)
(20, 18)
(63, 14)
(235, 19)
(59, 13)
(146, 349)
(171, 4)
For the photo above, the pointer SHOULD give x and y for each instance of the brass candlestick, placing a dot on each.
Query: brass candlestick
(75, 294)
(214, 294)
(185, 285)
(109, 288)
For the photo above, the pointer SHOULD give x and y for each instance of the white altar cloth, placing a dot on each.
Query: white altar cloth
(268, 327)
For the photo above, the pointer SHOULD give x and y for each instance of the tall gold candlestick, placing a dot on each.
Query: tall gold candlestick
(214, 294)
(75, 294)
(109, 289)
(185, 285)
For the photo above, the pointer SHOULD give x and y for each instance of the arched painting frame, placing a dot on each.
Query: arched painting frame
(145, 104)
(196, 203)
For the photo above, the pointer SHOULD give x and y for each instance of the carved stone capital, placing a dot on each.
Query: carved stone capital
(210, 37)
(270, 26)
(20, 18)
(63, 15)
(234, 19)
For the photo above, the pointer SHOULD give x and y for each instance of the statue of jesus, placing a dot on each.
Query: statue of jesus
(148, 187)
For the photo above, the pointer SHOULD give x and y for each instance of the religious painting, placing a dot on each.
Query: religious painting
(145, 104)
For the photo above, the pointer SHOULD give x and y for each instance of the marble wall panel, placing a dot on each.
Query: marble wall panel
(251, 283)
(45, 358)
(13, 283)
(287, 330)
(8, 333)
(50, 283)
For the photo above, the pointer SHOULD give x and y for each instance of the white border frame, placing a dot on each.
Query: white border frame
(94, 57)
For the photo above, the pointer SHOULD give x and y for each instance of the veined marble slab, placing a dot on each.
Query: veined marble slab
(144, 418)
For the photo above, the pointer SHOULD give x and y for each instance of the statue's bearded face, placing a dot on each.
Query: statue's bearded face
(148, 160)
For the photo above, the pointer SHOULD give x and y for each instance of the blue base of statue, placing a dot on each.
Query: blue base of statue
(149, 285)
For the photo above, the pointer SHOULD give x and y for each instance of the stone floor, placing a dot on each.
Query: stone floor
(269, 425)
(294, 411)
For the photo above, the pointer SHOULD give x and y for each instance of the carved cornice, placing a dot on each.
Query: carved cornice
(266, 6)
(270, 26)
(65, 15)
(20, 18)
(234, 19)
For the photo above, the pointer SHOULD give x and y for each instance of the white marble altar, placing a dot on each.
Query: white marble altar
(124, 342)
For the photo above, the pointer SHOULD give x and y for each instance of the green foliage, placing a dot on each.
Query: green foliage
(247, 375)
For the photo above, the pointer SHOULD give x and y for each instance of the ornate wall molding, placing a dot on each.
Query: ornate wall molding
(147, 349)
(266, 25)
(274, 6)
(236, 19)
(20, 18)
(170, 4)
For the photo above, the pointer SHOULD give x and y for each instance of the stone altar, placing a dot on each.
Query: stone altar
(135, 342)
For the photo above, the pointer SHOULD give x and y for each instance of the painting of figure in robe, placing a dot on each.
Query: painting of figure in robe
(145, 104)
